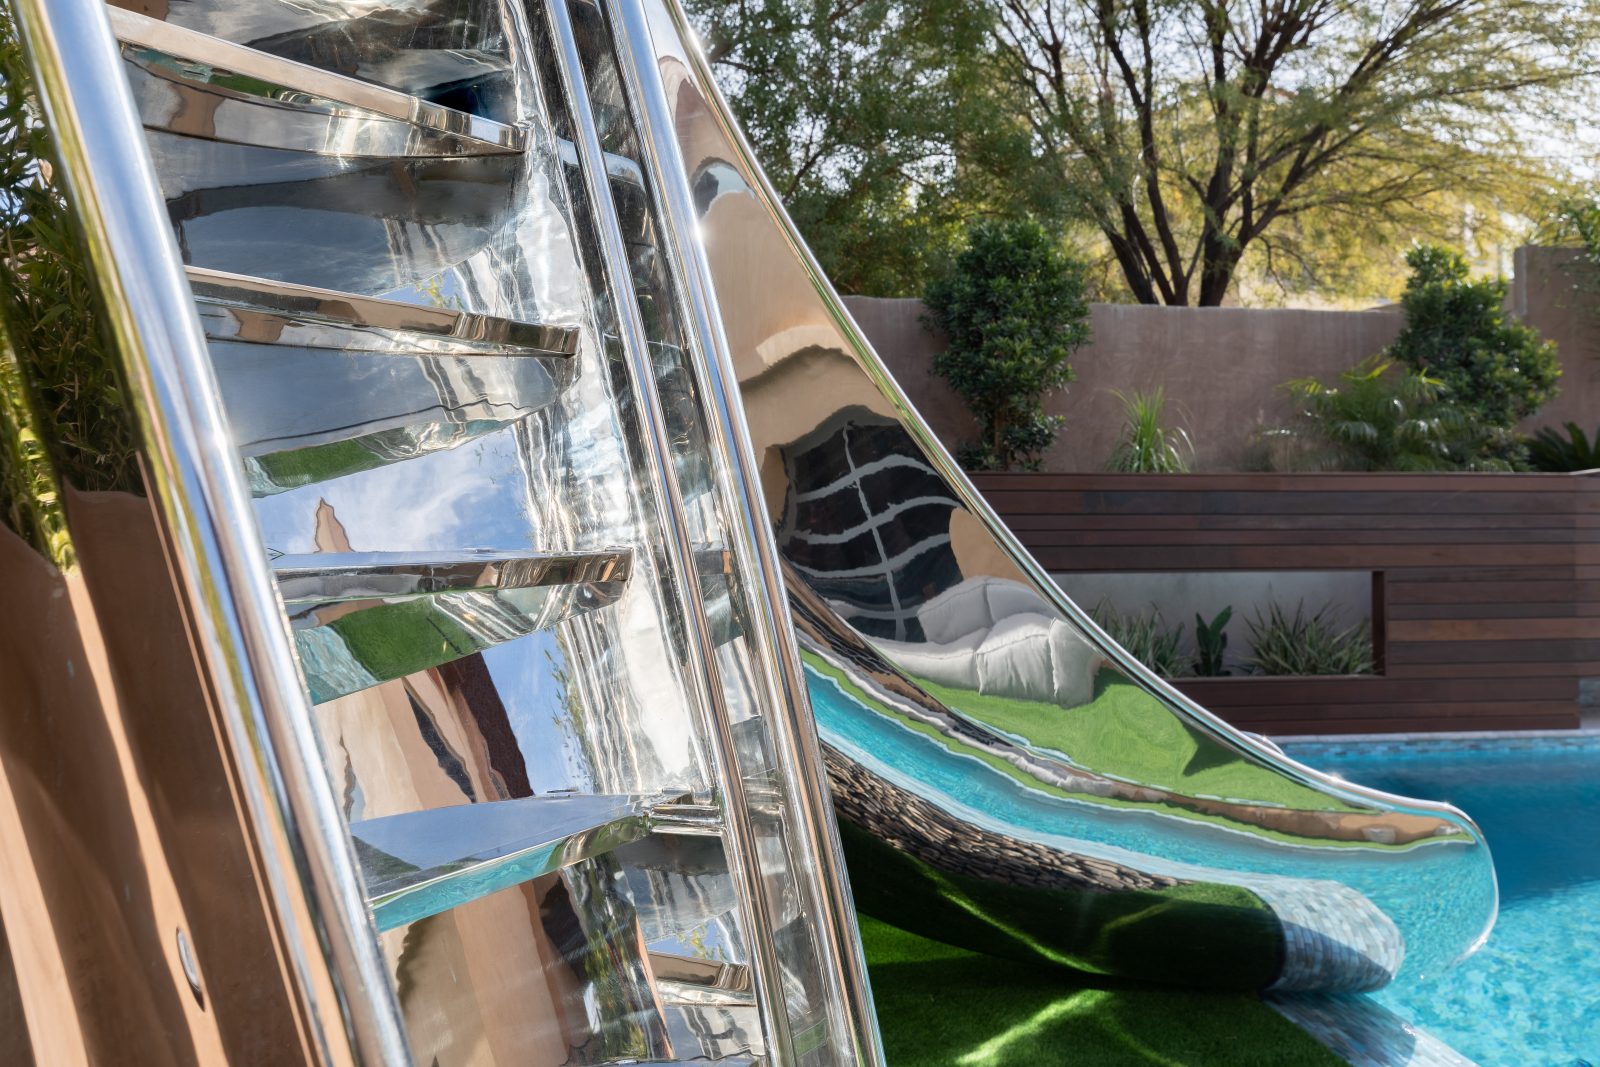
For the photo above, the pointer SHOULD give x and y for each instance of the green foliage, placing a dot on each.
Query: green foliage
(1494, 371)
(1380, 417)
(1211, 644)
(1575, 220)
(858, 111)
(1549, 451)
(50, 303)
(1191, 133)
(1014, 311)
(1309, 644)
(1147, 638)
(1147, 447)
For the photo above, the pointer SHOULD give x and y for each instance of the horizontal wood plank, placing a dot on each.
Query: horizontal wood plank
(1490, 606)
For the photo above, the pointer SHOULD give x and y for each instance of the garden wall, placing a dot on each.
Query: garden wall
(1486, 588)
(1223, 368)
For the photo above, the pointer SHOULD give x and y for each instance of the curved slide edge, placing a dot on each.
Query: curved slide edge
(1007, 777)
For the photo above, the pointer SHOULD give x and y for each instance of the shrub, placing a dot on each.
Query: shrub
(1549, 451)
(1313, 644)
(1494, 371)
(1014, 311)
(1211, 644)
(1146, 637)
(1145, 447)
(1379, 417)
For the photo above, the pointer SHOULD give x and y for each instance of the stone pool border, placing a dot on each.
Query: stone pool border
(1468, 740)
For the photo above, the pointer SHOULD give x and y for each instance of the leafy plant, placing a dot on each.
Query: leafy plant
(1309, 644)
(1013, 308)
(1211, 644)
(1146, 447)
(1549, 451)
(1493, 370)
(1146, 637)
(1379, 417)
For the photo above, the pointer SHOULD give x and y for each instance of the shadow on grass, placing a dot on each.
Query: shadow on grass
(939, 1005)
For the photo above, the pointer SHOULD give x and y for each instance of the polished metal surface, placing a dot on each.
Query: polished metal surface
(576, 71)
(422, 863)
(503, 491)
(981, 730)
(392, 576)
(199, 85)
(229, 608)
(525, 650)
(448, 50)
(268, 312)
(803, 795)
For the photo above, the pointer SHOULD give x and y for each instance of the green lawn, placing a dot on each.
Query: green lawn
(939, 1006)
(1127, 733)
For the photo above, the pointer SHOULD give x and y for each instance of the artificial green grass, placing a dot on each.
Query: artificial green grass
(940, 1006)
(1262, 776)
(1127, 733)
(1194, 934)
(394, 640)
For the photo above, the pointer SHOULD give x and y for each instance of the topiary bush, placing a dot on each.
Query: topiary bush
(1494, 370)
(1014, 310)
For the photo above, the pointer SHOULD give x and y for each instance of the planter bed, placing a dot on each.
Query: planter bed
(1486, 587)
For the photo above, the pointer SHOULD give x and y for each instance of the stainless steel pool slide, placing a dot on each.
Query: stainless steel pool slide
(455, 541)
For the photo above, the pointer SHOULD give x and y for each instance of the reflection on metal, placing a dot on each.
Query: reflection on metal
(441, 532)
(454, 701)
(425, 862)
(452, 50)
(1001, 759)
(262, 311)
(198, 85)
(306, 580)
(361, 619)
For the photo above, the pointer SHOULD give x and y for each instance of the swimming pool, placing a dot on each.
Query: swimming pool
(1531, 996)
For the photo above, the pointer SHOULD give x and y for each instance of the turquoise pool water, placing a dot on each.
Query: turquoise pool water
(1531, 996)
(1437, 895)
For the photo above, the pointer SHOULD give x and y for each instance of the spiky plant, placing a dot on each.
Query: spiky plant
(1146, 637)
(1146, 446)
(1302, 644)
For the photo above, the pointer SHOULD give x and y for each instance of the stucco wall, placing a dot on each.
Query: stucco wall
(1223, 368)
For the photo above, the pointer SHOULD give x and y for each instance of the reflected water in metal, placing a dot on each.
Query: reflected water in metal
(459, 566)
(444, 496)
(1008, 777)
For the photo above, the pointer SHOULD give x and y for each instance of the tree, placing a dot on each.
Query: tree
(1014, 311)
(1192, 131)
(856, 109)
(1494, 371)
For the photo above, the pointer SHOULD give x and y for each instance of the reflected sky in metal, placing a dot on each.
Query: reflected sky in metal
(946, 668)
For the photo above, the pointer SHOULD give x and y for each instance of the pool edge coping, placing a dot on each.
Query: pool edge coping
(1437, 735)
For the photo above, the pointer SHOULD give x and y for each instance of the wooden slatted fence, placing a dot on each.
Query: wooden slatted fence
(1487, 595)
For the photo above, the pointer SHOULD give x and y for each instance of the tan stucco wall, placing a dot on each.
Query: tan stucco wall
(1223, 368)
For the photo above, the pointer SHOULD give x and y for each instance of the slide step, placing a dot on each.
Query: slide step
(197, 85)
(263, 311)
(362, 619)
(426, 862)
